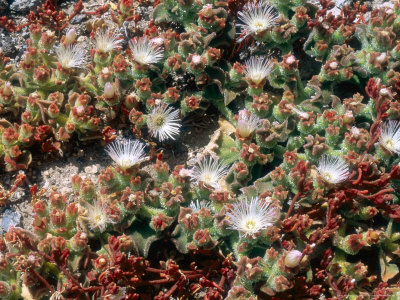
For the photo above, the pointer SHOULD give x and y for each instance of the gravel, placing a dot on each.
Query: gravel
(24, 6)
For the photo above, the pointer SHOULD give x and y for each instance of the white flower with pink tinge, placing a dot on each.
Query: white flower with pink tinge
(247, 123)
(145, 51)
(108, 40)
(209, 171)
(390, 136)
(71, 56)
(333, 169)
(256, 18)
(164, 123)
(258, 68)
(97, 216)
(249, 218)
(126, 153)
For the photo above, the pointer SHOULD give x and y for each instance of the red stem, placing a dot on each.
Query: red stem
(44, 281)
(297, 196)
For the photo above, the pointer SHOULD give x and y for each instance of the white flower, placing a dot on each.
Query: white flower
(251, 218)
(247, 123)
(390, 136)
(257, 18)
(97, 216)
(107, 41)
(197, 205)
(164, 123)
(209, 171)
(333, 169)
(71, 56)
(258, 68)
(145, 52)
(126, 153)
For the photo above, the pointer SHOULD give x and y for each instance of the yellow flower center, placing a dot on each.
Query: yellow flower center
(159, 121)
(258, 25)
(327, 176)
(207, 178)
(250, 224)
(389, 145)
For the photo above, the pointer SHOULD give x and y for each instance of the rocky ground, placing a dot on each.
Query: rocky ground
(86, 159)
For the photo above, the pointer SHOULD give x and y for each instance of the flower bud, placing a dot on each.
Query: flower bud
(70, 36)
(79, 241)
(125, 6)
(87, 190)
(40, 208)
(69, 127)
(293, 258)
(47, 40)
(72, 212)
(58, 218)
(27, 58)
(26, 117)
(9, 137)
(57, 200)
(101, 262)
(53, 110)
(7, 91)
(41, 74)
(76, 182)
(109, 90)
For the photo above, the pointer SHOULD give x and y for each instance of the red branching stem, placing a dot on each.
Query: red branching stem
(63, 269)
(333, 284)
(98, 12)
(91, 289)
(390, 190)
(357, 181)
(169, 280)
(44, 281)
(296, 197)
(222, 281)
(171, 290)
(77, 9)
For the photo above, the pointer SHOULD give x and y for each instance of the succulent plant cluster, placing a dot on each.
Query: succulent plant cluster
(301, 198)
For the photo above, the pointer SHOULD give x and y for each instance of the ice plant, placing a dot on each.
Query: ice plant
(249, 218)
(209, 171)
(164, 123)
(257, 18)
(390, 136)
(333, 169)
(145, 51)
(197, 205)
(258, 68)
(247, 123)
(97, 216)
(293, 258)
(126, 153)
(71, 56)
(70, 36)
(107, 40)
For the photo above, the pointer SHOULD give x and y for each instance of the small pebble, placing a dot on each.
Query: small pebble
(91, 169)
(10, 218)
